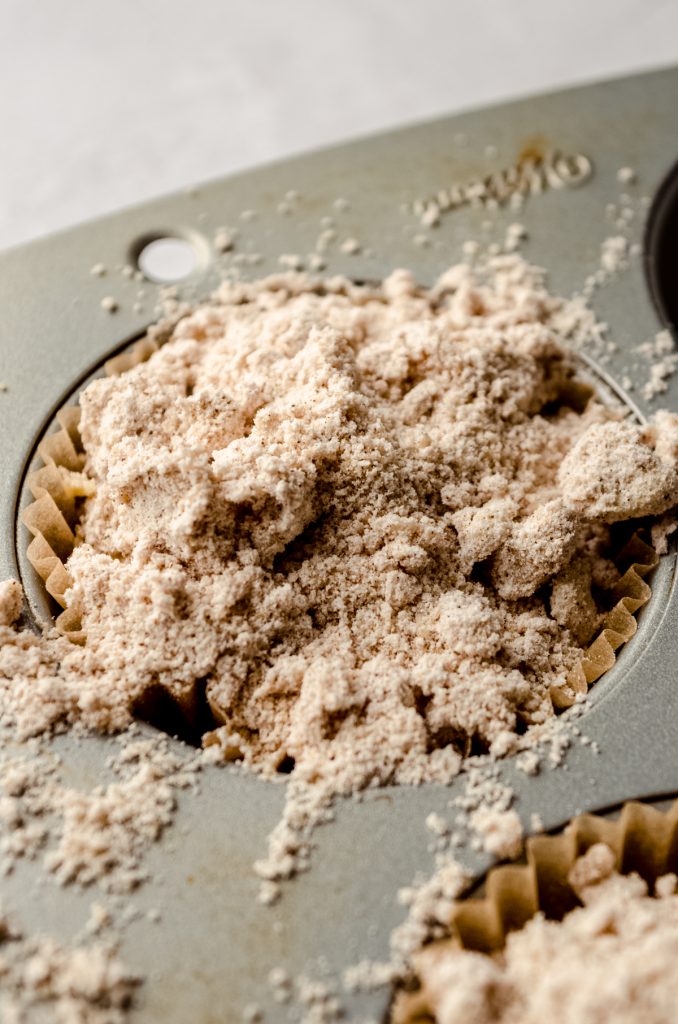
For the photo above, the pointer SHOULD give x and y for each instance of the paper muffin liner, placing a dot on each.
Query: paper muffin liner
(57, 489)
(643, 839)
(637, 559)
(52, 520)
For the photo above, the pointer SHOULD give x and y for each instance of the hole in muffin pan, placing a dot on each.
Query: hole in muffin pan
(189, 721)
(166, 257)
(661, 250)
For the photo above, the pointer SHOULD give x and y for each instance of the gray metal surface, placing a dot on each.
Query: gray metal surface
(216, 945)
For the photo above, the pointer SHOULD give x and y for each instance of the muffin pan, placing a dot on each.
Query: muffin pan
(215, 946)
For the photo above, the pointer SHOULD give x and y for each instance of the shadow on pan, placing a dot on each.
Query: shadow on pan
(661, 250)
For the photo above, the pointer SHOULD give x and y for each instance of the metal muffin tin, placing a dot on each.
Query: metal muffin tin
(213, 950)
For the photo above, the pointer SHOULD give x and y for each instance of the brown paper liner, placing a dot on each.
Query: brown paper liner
(629, 594)
(643, 839)
(52, 517)
(138, 353)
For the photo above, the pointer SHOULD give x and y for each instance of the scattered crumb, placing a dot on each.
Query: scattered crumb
(515, 234)
(45, 980)
(626, 176)
(252, 1014)
(436, 823)
(429, 906)
(290, 261)
(501, 831)
(614, 254)
(430, 218)
(269, 892)
(224, 239)
(368, 975)
(528, 762)
(350, 246)
(99, 918)
(281, 984)
(97, 836)
(316, 262)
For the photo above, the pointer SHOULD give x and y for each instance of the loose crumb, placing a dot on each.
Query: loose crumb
(528, 762)
(350, 246)
(290, 261)
(626, 176)
(536, 823)
(501, 831)
(436, 823)
(614, 254)
(252, 1014)
(224, 239)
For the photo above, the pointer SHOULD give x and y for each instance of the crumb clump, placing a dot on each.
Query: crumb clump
(611, 959)
(501, 831)
(11, 600)
(96, 836)
(43, 979)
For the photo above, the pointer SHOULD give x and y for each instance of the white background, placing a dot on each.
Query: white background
(102, 105)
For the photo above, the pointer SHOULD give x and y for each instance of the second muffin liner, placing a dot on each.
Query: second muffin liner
(643, 839)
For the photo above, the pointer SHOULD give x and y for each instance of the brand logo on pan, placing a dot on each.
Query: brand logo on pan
(529, 176)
